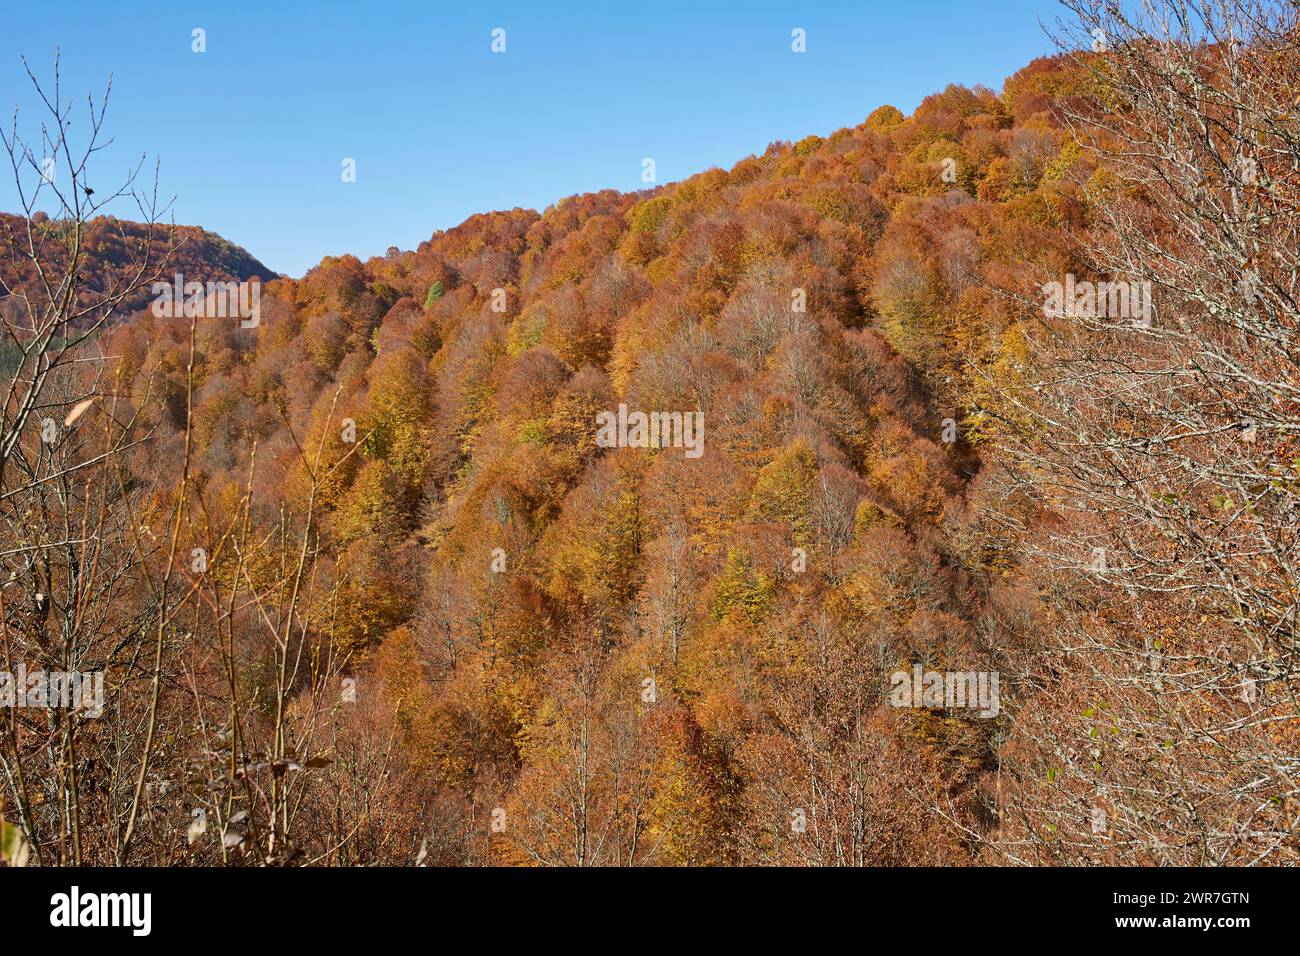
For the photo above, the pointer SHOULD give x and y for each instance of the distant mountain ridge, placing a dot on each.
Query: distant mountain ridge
(113, 246)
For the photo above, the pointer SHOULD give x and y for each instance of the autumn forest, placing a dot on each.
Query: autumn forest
(921, 494)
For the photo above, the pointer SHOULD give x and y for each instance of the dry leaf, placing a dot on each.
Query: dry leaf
(77, 411)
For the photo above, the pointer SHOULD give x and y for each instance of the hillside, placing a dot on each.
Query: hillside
(812, 303)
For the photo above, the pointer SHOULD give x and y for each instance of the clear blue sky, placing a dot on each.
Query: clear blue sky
(251, 134)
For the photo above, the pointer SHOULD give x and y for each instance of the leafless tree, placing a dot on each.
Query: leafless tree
(1154, 464)
(68, 518)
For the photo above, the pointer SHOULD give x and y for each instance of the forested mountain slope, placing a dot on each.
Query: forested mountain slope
(820, 305)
